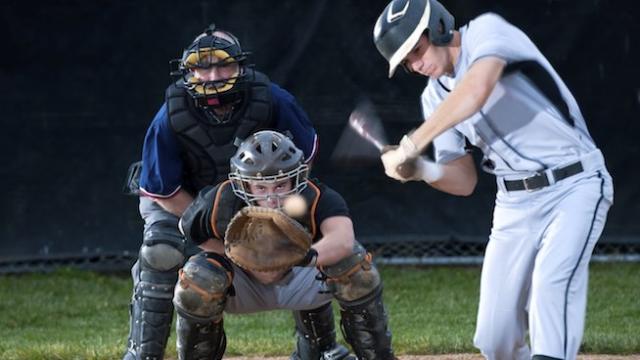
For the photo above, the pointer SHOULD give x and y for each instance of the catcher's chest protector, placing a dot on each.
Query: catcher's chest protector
(227, 204)
(208, 148)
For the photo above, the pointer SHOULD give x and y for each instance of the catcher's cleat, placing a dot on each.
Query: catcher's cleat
(338, 352)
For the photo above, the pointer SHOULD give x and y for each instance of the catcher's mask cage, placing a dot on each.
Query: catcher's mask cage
(214, 48)
(400, 25)
(267, 157)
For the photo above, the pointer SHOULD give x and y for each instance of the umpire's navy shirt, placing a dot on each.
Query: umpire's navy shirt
(161, 175)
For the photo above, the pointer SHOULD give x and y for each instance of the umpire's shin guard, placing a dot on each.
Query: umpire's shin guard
(151, 314)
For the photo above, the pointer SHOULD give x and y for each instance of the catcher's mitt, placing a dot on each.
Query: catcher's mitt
(264, 239)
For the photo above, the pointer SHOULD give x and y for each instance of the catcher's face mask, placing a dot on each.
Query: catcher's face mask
(271, 195)
(269, 191)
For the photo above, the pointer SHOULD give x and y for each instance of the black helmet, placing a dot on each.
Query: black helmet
(267, 157)
(214, 47)
(403, 21)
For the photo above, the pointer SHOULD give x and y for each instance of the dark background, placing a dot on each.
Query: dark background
(81, 80)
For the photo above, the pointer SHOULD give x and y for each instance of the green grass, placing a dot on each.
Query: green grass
(73, 314)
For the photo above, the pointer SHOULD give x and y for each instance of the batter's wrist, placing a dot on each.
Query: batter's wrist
(429, 171)
(409, 148)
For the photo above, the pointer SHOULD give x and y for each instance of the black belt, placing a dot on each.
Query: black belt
(541, 180)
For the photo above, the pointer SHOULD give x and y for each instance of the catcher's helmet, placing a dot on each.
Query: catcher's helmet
(403, 21)
(267, 156)
(214, 48)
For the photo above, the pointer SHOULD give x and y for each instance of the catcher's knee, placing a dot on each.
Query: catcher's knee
(353, 277)
(204, 283)
(163, 248)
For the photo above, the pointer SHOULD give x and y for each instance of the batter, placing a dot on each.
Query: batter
(490, 86)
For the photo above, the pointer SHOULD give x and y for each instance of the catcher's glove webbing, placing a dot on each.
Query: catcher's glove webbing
(264, 239)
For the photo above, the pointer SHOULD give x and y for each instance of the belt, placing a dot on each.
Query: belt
(541, 180)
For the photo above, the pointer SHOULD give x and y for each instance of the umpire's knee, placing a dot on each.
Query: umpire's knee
(162, 248)
(353, 277)
(205, 281)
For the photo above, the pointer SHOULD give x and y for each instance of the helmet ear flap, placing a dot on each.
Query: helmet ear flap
(441, 23)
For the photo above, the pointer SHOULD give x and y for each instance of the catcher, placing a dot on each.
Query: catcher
(256, 258)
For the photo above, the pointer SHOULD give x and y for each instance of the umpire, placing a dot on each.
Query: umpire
(217, 102)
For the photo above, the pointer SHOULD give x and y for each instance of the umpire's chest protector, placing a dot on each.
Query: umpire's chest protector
(206, 147)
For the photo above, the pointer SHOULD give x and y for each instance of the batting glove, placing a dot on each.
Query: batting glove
(405, 152)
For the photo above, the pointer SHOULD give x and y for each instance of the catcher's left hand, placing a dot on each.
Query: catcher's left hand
(264, 239)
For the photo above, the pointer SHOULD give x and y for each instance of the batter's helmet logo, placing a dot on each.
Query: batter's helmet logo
(391, 16)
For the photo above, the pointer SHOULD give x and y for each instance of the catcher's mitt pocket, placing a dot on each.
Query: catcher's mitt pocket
(265, 239)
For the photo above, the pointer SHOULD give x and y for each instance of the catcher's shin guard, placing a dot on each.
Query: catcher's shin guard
(316, 336)
(364, 327)
(200, 297)
(199, 339)
(353, 277)
(356, 284)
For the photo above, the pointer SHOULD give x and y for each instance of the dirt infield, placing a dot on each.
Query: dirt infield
(460, 357)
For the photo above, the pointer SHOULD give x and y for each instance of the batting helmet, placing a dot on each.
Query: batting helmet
(267, 156)
(403, 21)
(214, 48)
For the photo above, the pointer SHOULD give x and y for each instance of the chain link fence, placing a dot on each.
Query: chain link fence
(403, 250)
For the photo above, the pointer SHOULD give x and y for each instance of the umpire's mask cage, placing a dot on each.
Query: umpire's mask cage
(219, 49)
(267, 157)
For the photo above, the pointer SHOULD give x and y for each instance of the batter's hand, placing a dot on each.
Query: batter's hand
(394, 156)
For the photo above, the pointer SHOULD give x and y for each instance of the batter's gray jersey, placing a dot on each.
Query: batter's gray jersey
(519, 129)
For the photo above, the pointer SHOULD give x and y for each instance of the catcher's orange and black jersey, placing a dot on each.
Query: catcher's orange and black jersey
(209, 214)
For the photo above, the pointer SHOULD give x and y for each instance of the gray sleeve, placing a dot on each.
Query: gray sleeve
(449, 145)
(491, 35)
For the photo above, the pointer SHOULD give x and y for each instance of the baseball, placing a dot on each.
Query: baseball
(294, 206)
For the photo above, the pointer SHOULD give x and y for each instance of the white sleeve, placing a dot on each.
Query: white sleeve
(449, 145)
(491, 35)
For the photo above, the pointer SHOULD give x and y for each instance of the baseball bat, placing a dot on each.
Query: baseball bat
(361, 123)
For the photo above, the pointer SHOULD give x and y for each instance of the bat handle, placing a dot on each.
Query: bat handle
(407, 169)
